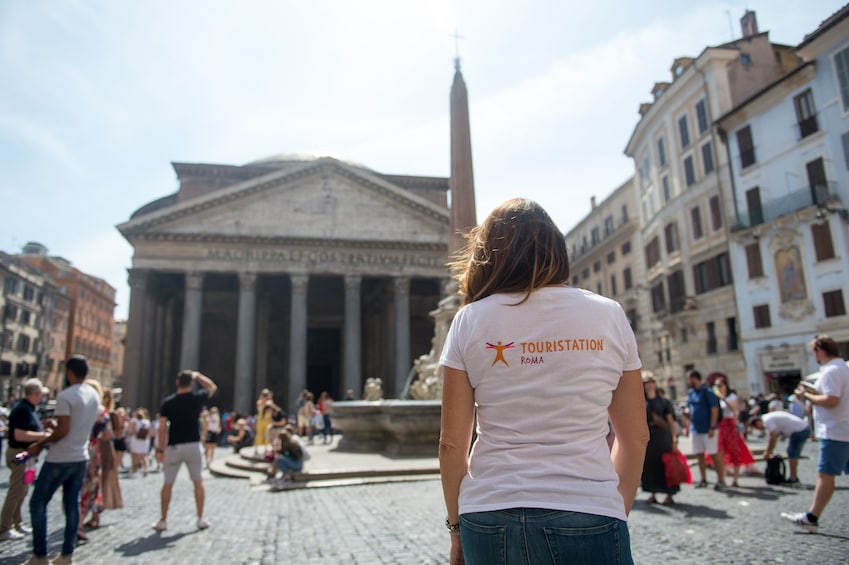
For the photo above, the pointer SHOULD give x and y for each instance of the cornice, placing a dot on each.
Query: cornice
(292, 241)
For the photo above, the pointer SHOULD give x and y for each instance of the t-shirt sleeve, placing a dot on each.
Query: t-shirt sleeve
(452, 351)
(63, 406)
(829, 383)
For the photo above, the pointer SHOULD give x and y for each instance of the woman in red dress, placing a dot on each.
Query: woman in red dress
(737, 454)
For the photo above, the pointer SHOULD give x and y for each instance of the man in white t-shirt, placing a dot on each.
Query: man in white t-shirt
(66, 462)
(830, 399)
(780, 423)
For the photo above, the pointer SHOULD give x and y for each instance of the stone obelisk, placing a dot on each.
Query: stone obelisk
(428, 381)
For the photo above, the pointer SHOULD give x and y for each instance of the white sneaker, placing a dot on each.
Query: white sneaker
(11, 535)
(202, 524)
(160, 526)
(26, 530)
(801, 520)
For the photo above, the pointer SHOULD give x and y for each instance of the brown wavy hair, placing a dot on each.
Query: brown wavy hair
(518, 248)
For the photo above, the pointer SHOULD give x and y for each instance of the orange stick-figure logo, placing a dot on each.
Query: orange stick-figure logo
(499, 356)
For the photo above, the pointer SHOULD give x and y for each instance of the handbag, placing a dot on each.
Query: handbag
(676, 469)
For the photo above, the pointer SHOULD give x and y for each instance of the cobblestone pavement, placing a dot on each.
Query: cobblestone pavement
(401, 523)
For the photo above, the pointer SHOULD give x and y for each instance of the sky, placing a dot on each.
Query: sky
(98, 98)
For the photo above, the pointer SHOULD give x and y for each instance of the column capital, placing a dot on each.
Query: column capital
(402, 285)
(299, 282)
(353, 282)
(137, 278)
(194, 280)
(247, 280)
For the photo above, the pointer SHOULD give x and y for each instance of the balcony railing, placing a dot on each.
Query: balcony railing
(787, 204)
(808, 126)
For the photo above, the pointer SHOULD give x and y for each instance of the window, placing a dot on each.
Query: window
(677, 296)
(11, 312)
(653, 252)
(611, 257)
(25, 316)
(658, 298)
(841, 69)
(711, 338)
(823, 245)
(702, 116)
(833, 302)
(746, 146)
(707, 157)
(23, 343)
(753, 260)
(712, 273)
(608, 225)
(632, 318)
(667, 192)
(586, 273)
(696, 221)
(613, 285)
(661, 152)
(575, 280)
(753, 201)
(626, 248)
(10, 286)
(761, 314)
(671, 233)
(624, 213)
(596, 266)
(594, 236)
(598, 288)
(626, 277)
(715, 213)
(733, 342)
(684, 131)
(806, 114)
(817, 181)
(689, 170)
(29, 293)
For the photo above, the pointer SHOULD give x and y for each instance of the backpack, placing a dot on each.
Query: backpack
(775, 473)
(142, 432)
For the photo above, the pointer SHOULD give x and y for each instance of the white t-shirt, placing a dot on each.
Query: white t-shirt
(80, 402)
(543, 375)
(783, 423)
(833, 423)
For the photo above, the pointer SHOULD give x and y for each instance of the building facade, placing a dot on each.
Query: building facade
(789, 154)
(90, 314)
(291, 272)
(681, 181)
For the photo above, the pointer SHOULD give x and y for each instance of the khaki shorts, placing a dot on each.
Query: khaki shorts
(189, 453)
(703, 444)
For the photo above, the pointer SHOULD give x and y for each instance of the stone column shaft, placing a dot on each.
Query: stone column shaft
(133, 350)
(245, 344)
(298, 338)
(353, 361)
(192, 311)
(402, 333)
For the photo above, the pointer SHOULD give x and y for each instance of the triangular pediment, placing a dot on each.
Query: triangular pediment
(322, 200)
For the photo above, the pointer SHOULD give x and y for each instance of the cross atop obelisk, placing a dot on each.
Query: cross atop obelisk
(457, 37)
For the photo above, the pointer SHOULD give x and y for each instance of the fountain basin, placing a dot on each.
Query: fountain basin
(391, 427)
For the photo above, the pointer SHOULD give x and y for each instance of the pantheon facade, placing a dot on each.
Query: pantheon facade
(292, 272)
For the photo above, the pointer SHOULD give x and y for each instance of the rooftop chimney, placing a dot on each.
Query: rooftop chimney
(749, 24)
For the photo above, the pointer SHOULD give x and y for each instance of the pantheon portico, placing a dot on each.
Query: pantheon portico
(290, 272)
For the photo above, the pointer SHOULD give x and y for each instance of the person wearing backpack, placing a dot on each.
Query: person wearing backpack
(704, 418)
(830, 399)
(778, 422)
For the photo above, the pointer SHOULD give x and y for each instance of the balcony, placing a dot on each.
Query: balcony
(787, 204)
(807, 126)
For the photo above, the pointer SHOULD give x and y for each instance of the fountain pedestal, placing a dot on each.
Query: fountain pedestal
(391, 427)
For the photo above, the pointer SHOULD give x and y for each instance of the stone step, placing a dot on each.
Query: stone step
(221, 468)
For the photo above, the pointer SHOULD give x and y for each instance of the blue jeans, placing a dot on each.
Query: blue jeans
(70, 477)
(536, 536)
(287, 464)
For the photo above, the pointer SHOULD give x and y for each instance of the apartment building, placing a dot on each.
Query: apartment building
(788, 150)
(682, 178)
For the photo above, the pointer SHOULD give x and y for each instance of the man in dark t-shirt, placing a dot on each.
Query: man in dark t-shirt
(182, 438)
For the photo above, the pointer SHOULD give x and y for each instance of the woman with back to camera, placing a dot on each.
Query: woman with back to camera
(543, 366)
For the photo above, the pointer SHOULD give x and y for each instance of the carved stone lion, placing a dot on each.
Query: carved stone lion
(374, 389)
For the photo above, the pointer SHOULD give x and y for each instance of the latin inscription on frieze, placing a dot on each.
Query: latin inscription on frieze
(312, 258)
